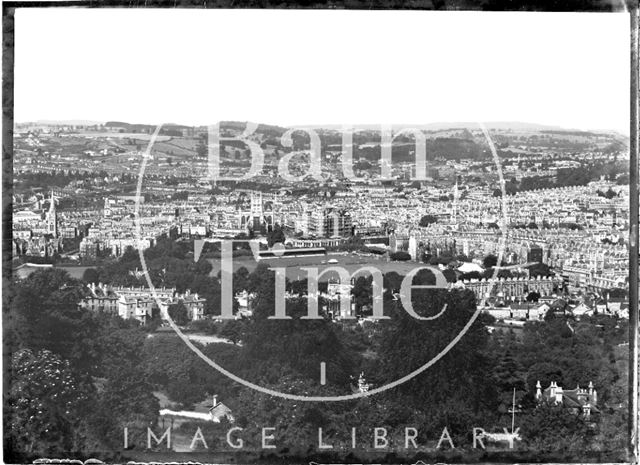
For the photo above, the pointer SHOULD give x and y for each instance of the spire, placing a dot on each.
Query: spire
(52, 220)
(456, 198)
(52, 204)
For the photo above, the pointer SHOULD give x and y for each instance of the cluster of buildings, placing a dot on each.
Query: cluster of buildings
(140, 303)
(37, 234)
(590, 256)
(576, 231)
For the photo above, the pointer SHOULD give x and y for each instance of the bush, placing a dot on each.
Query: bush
(400, 256)
(426, 220)
(90, 275)
(179, 314)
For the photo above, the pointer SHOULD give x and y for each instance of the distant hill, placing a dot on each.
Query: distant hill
(506, 125)
(66, 122)
(268, 129)
(129, 127)
(277, 131)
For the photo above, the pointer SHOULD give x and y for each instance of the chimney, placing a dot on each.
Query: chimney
(214, 401)
(552, 389)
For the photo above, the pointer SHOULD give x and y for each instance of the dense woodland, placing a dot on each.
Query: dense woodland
(77, 378)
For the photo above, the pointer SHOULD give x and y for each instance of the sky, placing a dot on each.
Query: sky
(286, 67)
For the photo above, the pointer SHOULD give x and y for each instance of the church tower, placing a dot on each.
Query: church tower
(456, 199)
(52, 218)
(107, 208)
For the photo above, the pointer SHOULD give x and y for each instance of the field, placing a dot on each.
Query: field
(293, 265)
(177, 147)
(124, 135)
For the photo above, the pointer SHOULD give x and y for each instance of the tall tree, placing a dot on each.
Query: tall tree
(44, 307)
(45, 406)
(406, 344)
(276, 235)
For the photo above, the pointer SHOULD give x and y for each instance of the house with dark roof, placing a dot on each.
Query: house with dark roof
(579, 400)
(220, 411)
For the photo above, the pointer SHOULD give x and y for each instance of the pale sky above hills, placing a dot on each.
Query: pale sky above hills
(322, 67)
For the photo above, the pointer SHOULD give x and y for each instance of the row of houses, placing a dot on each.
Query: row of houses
(140, 303)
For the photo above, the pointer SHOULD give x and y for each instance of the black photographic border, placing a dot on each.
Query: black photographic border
(630, 6)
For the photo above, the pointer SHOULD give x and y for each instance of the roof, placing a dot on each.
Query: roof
(581, 309)
(219, 411)
(467, 267)
(26, 214)
(575, 398)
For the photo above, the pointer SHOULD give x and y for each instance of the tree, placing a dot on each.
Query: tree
(169, 365)
(471, 275)
(296, 423)
(90, 275)
(232, 330)
(119, 346)
(179, 313)
(617, 293)
(407, 344)
(276, 235)
(296, 345)
(362, 292)
(45, 406)
(44, 307)
(400, 256)
(545, 372)
(126, 402)
(490, 261)
(445, 258)
(507, 376)
(533, 296)
(426, 220)
(553, 428)
(539, 269)
(130, 255)
(450, 275)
